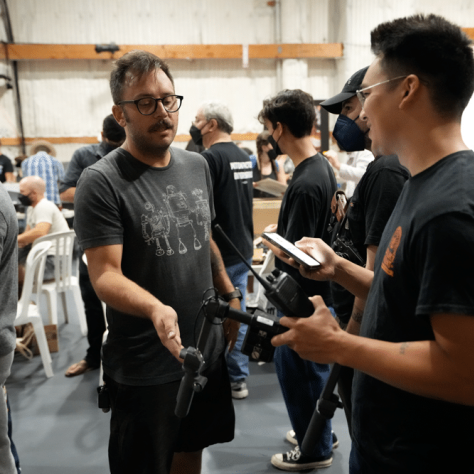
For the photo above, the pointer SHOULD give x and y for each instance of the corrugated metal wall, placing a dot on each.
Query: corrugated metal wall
(71, 97)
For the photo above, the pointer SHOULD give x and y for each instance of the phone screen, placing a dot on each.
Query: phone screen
(291, 250)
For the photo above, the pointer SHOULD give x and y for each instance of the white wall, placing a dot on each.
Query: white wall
(71, 97)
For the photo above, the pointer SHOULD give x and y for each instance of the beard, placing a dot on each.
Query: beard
(144, 140)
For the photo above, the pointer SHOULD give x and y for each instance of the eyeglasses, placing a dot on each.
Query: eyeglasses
(361, 94)
(148, 105)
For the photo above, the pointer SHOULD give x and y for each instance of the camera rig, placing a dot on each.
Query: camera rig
(288, 297)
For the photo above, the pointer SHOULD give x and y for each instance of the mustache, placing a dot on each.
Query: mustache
(164, 124)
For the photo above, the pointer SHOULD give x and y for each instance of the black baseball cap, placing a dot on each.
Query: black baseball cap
(334, 104)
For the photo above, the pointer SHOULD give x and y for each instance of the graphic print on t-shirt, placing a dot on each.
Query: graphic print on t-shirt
(158, 224)
(389, 257)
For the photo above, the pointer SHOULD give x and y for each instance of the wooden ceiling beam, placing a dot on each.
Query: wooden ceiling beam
(26, 52)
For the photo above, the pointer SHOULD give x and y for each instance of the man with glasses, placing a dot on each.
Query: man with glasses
(413, 391)
(139, 217)
(231, 174)
(370, 208)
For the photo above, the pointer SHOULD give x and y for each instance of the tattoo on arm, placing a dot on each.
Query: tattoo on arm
(216, 264)
(404, 347)
(357, 315)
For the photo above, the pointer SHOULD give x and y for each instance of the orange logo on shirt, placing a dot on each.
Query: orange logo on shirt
(389, 257)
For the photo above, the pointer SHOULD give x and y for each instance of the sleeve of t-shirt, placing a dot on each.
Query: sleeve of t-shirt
(380, 199)
(43, 213)
(73, 173)
(97, 219)
(443, 253)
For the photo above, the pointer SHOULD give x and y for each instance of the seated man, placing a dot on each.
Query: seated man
(43, 217)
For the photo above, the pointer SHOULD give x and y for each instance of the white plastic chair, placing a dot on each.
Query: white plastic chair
(27, 311)
(63, 278)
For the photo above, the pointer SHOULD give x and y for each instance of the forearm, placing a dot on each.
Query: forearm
(219, 276)
(124, 295)
(68, 195)
(419, 367)
(29, 236)
(354, 278)
(356, 317)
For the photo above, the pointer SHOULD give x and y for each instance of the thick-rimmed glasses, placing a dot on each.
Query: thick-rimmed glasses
(361, 94)
(148, 105)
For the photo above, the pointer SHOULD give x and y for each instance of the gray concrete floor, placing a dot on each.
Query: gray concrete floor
(58, 428)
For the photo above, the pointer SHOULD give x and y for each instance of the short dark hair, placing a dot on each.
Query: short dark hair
(294, 108)
(435, 50)
(112, 130)
(132, 65)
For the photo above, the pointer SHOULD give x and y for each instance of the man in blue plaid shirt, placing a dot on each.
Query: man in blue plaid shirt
(42, 163)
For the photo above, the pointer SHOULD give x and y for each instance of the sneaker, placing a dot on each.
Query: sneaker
(295, 461)
(239, 390)
(291, 437)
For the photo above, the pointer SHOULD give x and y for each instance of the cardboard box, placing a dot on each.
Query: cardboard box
(265, 212)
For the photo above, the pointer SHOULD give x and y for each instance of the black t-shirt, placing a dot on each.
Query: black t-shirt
(305, 212)
(423, 267)
(5, 167)
(369, 210)
(231, 174)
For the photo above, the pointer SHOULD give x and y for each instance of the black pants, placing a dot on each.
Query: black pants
(94, 316)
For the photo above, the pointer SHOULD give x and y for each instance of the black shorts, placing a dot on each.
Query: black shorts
(144, 431)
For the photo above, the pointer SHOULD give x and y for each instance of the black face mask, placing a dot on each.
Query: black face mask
(25, 200)
(272, 154)
(196, 135)
(275, 146)
(348, 134)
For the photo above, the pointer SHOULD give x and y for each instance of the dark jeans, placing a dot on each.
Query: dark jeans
(94, 316)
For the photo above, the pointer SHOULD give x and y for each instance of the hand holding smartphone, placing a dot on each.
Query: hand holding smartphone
(291, 250)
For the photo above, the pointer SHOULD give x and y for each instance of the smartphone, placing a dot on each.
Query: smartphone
(294, 252)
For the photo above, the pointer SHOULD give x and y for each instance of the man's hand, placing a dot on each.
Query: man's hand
(324, 254)
(314, 338)
(165, 320)
(231, 327)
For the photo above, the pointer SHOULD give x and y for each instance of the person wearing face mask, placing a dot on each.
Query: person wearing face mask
(43, 217)
(267, 166)
(305, 210)
(231, 175)
(351, 136)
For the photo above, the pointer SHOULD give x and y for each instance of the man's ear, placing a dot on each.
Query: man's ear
(411, 91)
(213, 125)
(119, 115)
(278, 131)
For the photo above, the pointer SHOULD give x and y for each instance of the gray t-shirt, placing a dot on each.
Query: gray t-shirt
(8, 272)
(162, 218)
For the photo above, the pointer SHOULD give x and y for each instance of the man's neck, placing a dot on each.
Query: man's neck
(438, 142)
(34, 204)
(158, 158)
(300, 149)
(218, 137)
